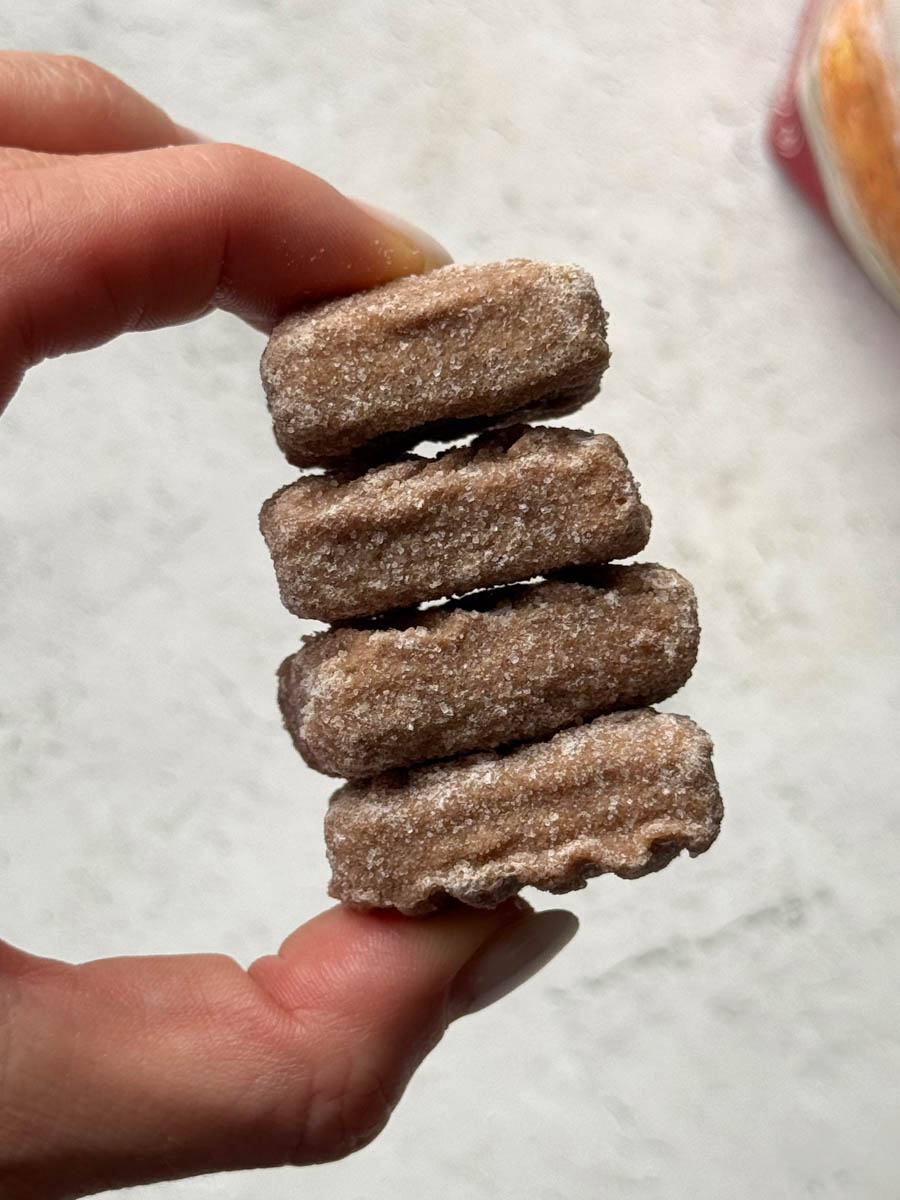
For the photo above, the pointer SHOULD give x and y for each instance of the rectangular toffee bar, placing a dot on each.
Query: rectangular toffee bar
(514, 504)
(624, 794)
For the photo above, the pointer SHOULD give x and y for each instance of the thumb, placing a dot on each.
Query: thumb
(132, 1070)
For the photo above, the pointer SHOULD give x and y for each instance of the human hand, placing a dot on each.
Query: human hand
(130, 1070)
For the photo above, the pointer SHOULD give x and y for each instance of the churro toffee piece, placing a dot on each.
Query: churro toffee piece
(514, 504)
(465, 341)
(503, 666)
(624, 794)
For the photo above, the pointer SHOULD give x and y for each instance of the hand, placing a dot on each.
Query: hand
(129, 1070)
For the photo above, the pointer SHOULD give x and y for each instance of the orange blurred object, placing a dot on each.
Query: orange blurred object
(836, 127)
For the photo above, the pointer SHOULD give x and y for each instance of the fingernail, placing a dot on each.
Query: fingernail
(509, 958)
(432, 253)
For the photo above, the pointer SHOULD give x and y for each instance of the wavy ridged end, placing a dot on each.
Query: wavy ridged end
(622, 795)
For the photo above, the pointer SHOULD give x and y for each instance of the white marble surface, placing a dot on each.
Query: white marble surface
(725, 1030)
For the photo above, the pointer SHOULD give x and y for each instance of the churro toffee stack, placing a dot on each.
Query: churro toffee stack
(501, 738)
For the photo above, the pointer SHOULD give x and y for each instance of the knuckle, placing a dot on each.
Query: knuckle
(91, 85)
(224, 1003)
(313, 1100)
(81, 70)
(347, 1106)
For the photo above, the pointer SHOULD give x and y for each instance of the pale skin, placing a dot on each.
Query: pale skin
(131, 1070)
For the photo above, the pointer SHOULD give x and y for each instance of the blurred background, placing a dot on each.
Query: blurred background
(727, 1029)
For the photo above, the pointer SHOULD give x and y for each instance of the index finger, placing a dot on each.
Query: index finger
(94, 247)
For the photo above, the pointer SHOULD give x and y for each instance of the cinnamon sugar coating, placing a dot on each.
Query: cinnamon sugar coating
(624, 794)
(516, 503)
(503, 666)
(494, 341)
